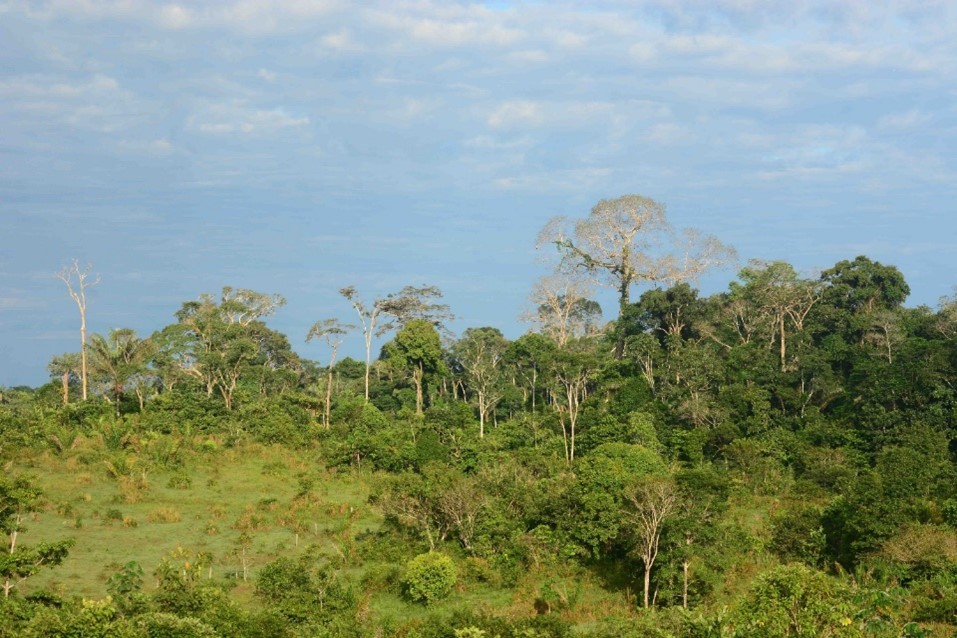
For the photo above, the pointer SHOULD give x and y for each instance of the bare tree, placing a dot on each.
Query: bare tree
(574, 370)
(651, 501)
(77, 281)
(383, 315)
(66, 367)
(628, 240)
(332, 331)
(562, 307)
(479, 354)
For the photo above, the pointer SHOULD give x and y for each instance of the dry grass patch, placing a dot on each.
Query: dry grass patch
(164, 515)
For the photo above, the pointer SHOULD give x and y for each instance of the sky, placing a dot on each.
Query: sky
(302, 146)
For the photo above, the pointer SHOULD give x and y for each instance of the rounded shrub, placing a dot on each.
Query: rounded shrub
(429, 577)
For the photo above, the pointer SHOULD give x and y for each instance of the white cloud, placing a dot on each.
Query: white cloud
(569, 180)
(176, 16)
(237, 118)
(447, 25)
(531, 56)
(340, 40)
(157, 147)
(516, 113)
(910, 119)
(98, 103)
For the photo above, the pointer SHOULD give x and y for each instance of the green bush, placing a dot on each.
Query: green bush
(429, 577)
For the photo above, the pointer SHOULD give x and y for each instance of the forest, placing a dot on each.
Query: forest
(775, 459)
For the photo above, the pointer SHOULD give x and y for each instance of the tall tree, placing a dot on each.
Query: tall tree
(778, 299)
(529, 359)
(628, 240)
(652, 501)
(384, 314)
(332, 331)
(77, 281)
(864, 285)
(217, 341)
(417, 348)
(479, 354)
(573, 374)
(562, 307)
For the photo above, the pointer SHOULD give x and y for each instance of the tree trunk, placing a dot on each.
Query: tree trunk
(623, 301)
(783, 343)
(418, 377)
(481, 402)
(685, 570)
(328, 406)
(83, 350)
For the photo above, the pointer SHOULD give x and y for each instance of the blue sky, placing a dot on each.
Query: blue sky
(297, 147)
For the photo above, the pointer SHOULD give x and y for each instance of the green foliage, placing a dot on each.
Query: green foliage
(127, 580)
(18, 562)
(794, 602)
(597, 496)
(798, 535)
(166, 625)
(429, 578)
(429, 448)
(304, 589)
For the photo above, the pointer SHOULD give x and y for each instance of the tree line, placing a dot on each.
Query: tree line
(792, 426)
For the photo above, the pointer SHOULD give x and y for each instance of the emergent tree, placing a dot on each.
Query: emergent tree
(628, 240)
(68, 275)
(385, 314)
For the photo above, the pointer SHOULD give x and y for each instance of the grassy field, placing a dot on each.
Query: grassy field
(244, 507)
(248, 505)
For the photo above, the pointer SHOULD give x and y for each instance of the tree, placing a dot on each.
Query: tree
(594, 513)
(216, 342)
(331, 331)
(573, 373)
(384, 314)
(65, 367)
(78, 294)
(779, 299)
(529, 359)
(417, 348)
(667, 313)
(651, 502)
(19, 497)
(479, 355)
(628, 240)
(117, 359)
(864, 285)
(563, 308)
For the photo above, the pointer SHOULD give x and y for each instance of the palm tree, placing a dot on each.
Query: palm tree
(116, 359)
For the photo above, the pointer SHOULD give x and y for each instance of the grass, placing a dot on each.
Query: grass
(119, 510)
(270, 501)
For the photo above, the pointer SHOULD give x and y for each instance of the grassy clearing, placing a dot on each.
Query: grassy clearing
(267, 501)
(245, 507)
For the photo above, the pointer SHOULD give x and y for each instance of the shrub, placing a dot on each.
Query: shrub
(180, 481)
(429, 577)
(164, 515)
